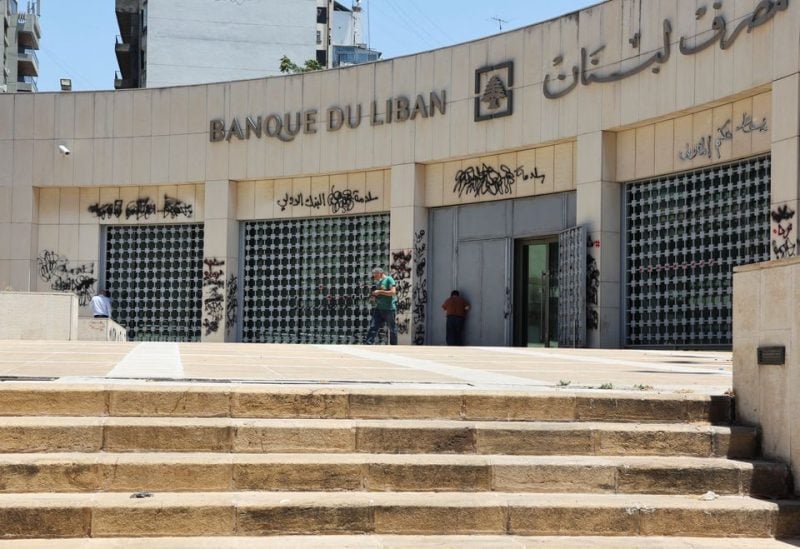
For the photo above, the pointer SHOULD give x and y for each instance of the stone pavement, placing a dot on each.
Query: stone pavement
(491, 368)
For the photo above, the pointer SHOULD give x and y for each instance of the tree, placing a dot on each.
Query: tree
(494, 92)
(288, 66)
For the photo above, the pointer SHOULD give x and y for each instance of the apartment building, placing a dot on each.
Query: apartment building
(21, 35)
(181, 42)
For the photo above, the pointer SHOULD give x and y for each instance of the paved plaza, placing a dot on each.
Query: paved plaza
(701, 372)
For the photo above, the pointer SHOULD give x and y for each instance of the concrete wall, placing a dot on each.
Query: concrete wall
(100, 329)
(31, 315)
(200, 41)
(766, 300)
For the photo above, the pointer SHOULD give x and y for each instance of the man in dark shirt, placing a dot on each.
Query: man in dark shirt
(456, 308)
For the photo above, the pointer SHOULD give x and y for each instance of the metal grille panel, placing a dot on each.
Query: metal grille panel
(308, 280)
(155, 275)
(572, 287)
(685, 234)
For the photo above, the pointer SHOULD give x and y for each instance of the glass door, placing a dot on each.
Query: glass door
(536, 320)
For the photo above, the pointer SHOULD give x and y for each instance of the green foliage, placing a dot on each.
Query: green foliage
(287, 66)
(564, 383)
(606, 386)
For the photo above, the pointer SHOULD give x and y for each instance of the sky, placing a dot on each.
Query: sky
(78, 35)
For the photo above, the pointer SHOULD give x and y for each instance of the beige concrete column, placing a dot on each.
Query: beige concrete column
(408, 257)
(20, 240)
(220, 262)
(599, 210)
(766, 315)
(785, 188)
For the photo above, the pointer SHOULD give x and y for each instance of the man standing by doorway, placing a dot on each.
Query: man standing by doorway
(385, 296)
(455, 307)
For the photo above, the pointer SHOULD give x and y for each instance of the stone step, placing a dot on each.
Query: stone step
(404, 542)
(204, 472)
(285, 513)
(269, 401)
(117, 434)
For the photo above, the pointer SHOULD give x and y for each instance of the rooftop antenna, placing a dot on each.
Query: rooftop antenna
(499, 21)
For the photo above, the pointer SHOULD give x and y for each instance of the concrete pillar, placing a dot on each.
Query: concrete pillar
(408, 244)
(599, 199)
(785, 188)
(220, 262)
(20, 241)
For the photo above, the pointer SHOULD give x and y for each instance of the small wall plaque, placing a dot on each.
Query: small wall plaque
(772, 355)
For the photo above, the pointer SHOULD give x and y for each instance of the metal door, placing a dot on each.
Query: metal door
(484, 280)
(572, 287)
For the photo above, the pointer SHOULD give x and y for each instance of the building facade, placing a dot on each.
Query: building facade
(181, 42)
(590, 180)
(19, 64)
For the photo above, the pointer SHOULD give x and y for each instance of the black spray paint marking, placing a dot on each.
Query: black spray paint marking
(485, 180)
(213, 290)
(338, 201)
(401, 271)
(783, 243)
(174, 207)
(420, 287)
(231, 303)
(142, 208)
(592, 289)
(707, 146)
(54, 268)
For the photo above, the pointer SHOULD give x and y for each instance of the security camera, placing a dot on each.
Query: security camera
(64, 150)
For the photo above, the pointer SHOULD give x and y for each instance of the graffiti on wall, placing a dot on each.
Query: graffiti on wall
(142, 208)
(401, 271)
(708, 146)
(420, 290)
(213, 293)
(592, 287)
(784, 243)
(591, 68)
(231, 303)
(337, 201)
(484, 180)
(55, 269)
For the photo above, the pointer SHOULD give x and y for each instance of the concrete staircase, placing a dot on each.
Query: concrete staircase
(229, 462)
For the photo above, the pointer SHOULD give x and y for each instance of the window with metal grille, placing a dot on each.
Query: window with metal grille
(308, 280)
(155, 275)
(684, 235)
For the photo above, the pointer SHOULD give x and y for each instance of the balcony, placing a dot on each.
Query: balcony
(128, 19)
(121, 83)
(27, 84)
(27, 62)
(28, 30)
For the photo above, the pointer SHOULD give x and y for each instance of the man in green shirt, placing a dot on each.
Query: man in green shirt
(385, 296)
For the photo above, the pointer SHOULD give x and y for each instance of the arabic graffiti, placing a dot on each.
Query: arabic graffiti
(55, 269)
(107, 210)
(420, 287)
(748, 126)
(213, 293)
(141, 208)
(338, 201)
(586, 70)
(401, 271)
(231, 303)
(484, 179)
(592, 289)
(783, 242)
(706, 146)
(174, 207)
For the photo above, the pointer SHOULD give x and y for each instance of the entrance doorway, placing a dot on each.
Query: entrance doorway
(536, 288)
